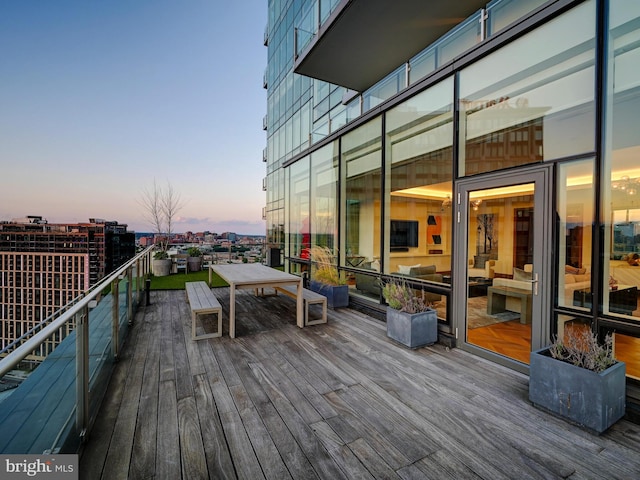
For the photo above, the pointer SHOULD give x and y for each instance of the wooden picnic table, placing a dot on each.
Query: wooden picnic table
(256, 276)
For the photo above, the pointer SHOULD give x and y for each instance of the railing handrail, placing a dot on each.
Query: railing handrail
(14, 358)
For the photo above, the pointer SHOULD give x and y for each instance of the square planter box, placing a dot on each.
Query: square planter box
(594, 401)
(412, 329)
(337, 295)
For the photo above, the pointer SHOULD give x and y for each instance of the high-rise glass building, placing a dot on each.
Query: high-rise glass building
(483, 152)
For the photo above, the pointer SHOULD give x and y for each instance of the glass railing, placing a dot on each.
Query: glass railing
(48, 405)
(314, 17)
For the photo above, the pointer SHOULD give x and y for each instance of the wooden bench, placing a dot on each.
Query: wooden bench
(202, 301)
(309, 297)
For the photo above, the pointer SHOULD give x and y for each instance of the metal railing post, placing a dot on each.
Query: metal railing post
(82, 372)
(139, 277)
(115, 307)
(130, 295)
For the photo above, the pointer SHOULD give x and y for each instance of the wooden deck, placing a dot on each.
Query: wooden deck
(331, 401)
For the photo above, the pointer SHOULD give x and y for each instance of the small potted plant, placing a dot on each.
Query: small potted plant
(410, 318)
(578, 379)
(194, 261)
(161, 264)
(325, 278)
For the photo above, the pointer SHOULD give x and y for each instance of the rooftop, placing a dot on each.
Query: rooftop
(338, 400)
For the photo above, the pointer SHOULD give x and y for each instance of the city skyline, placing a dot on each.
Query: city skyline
(101, 99)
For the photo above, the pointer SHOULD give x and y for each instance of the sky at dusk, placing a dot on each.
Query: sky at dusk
(100, 97)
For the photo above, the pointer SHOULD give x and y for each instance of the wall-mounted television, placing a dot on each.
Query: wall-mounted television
(403, 234)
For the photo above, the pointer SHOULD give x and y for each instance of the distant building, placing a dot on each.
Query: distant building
(230, 236)
(44, 266)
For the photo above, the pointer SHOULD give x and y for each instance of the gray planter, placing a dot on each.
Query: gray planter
(594, 401)
(412, 329)
(194, 264)
(161, 267)
(337, 295)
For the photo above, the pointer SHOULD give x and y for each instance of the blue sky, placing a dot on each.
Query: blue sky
(99, 97)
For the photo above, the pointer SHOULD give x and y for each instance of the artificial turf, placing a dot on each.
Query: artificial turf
(176, 281)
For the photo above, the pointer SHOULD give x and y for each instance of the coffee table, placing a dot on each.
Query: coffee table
(497, 299)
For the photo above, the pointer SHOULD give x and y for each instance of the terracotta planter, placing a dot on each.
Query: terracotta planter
(412, 329)
(594, 401)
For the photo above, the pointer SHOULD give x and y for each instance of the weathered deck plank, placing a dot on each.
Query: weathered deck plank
(337, 400)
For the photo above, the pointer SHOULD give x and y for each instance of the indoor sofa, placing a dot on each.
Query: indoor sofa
(370, 283)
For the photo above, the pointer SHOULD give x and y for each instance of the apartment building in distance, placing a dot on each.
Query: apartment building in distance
(471, 148)
(44, 266)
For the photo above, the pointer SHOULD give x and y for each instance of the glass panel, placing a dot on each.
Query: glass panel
(621, 193)
(627, 349)
(324, 191)
(361, 195)
(421, 65)
(306, 28)
(532, 100)
(419, 136)
(384, 89)
(499, 281)
(575, 200)
(298, 208)
(504, 12)
(462, 38)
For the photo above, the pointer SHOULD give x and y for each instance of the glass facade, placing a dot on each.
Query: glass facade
(621, 186)
(532, 100)
(384, 193)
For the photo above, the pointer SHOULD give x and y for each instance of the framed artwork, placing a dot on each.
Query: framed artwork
(434, 230)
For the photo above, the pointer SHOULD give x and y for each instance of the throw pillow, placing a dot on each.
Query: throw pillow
(571, 270)
(519, 274)
(405, 269)
(421, 271)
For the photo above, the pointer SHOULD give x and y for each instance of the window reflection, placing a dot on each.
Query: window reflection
(622, 191)
(299, 237)
(419, 135)
(361, 171)
(533, 100)
(324, 192)
(419, 160)
(575, 218)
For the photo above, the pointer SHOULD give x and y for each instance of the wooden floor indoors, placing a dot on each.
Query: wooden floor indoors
(331, 401)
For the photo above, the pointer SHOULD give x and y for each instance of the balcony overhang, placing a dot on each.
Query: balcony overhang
(364, 40)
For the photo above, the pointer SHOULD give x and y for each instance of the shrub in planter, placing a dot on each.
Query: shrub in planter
(579, 380)
(194, 261)
(410, 318)
(325, 278)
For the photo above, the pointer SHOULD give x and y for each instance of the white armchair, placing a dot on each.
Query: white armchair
(487, 272)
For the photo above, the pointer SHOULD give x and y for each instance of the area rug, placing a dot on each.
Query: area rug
(477, 315)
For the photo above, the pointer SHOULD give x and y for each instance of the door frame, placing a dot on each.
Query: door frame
(544, 239)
